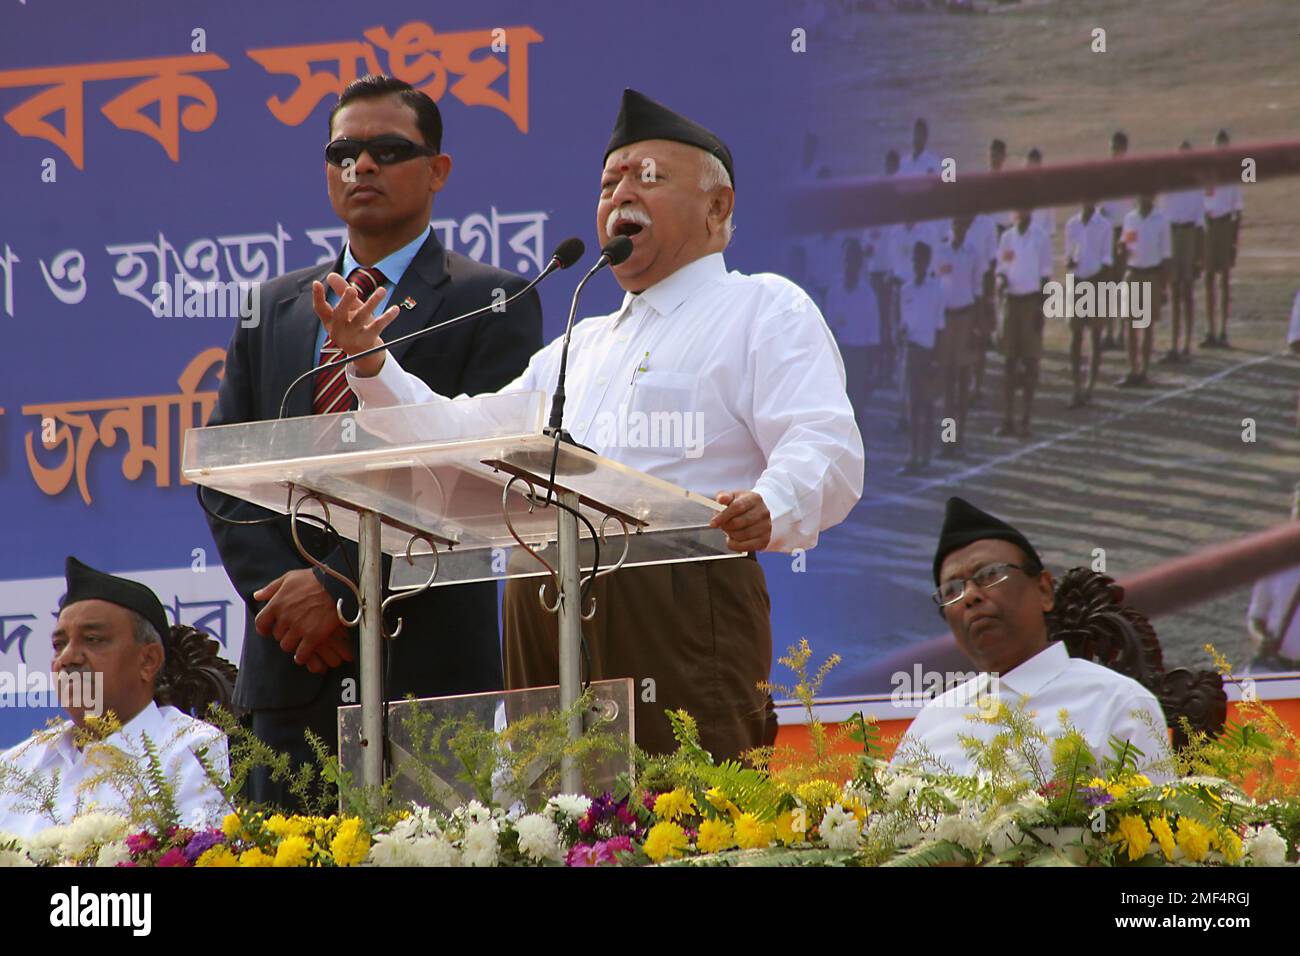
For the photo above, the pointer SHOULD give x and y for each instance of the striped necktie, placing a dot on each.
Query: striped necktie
(332, 393)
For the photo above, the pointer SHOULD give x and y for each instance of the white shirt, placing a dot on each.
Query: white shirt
(853, 315)
(1184, 207)
(904, 238)
(1021, 260)
(751, 355)
(921, 310)
(1044, 219)
(926, 164)
(1089, 246)
(1100, 704)
(1270, 600)
(1116, 209)
(174, 734)
(1222, 199)
(961, 273)
(983, 235)
(878, 250)
(1147, 238)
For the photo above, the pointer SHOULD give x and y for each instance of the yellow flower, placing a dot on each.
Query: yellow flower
(1230, 846)
(718, 800)
(1164, 835)
(1133, 832)
(715, 835)
(856, 807)
(1139, 780)
(283, 826)
(675, 804)
(217, 856)
(351, 844)
(817, 795)
(231, 826)
(753, 834)
(255, 857)
(292, 851)
(785, 826)
(1193, 838)
(665, 840)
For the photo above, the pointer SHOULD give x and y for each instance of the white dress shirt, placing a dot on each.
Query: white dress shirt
(961, 273)
(1044, 219)
(926, 164)
(1090, 246)
(878, 250)
(750, 354)
(983, 235)
(1099, 702)
(853, 314)
(174, 734)
(1222, 199)
(904, 238)
(1116, 209)
(1148, 239)
(1021, 258)
(1270, 600)
(921, 310)
(1184, 207)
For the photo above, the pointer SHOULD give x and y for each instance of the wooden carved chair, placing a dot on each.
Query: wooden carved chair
(1094, 623)
(195, 676)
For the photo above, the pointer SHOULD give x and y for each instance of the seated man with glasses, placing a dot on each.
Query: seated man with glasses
(994, 593)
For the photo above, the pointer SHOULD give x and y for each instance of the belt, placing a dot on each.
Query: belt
(1226, 215)
(1183, 225)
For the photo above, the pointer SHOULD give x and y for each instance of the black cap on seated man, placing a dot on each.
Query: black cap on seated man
(995, 594)
(115, 627)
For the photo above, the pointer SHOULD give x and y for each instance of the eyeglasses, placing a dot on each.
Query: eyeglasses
(950, 592)
(385, 150)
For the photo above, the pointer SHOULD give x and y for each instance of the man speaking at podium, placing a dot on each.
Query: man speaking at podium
(749, 358)
(384, 166)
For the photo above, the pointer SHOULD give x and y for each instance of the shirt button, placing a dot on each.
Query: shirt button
(582, 426)
(602, 380)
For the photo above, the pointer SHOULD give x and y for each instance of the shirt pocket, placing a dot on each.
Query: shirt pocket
(664, 409)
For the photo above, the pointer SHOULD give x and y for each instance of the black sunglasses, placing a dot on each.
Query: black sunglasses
(385, 150)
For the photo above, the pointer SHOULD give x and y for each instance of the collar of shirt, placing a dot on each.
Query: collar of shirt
(666, 295)
(1036, 673)
(393, 266)
(148, 721)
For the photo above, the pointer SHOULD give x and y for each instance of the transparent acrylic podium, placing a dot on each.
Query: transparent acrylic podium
(456, 491)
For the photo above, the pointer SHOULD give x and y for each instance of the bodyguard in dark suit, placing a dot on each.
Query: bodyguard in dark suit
(384, 166)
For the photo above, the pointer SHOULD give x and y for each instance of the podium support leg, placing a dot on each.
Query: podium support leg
(570, 633)
(372, 634)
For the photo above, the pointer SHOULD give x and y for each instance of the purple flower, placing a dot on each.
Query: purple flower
(173, 857)
(141, 842)
(201, 842)
(583, 855)
(1096, 796)
(610, 849)
(626, 816)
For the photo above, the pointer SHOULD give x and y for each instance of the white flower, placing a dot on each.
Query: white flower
(419, 823)
(433, 851)
(960, 828)
(1004, 832)
(390, 850)
(113, 853)
(480, 845)
(15, 857)
(538, 838)
(573, 806)
(1032, 802)
(839, 828)
(92, 830)
(44, 846)
(902, 787)
(1266, 847)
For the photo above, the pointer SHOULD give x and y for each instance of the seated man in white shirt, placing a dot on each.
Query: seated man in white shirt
(994, 593)
(751, 359)
(109, 631)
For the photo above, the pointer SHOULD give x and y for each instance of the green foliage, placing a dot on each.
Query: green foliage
(938, 853)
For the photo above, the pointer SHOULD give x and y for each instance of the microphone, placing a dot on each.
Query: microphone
(615, 253)
(566, 254)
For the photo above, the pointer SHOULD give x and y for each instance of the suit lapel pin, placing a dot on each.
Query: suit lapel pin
(408, 303)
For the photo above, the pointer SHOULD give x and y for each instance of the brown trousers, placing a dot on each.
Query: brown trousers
(695, 636)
